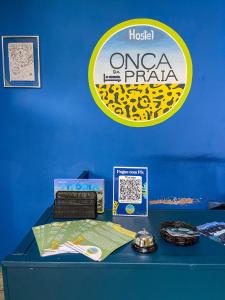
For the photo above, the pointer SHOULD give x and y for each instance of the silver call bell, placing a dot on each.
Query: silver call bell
(144, 242)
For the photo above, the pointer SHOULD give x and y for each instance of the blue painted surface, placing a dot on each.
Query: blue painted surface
(174, 268)
(203, 254)
(58, 130)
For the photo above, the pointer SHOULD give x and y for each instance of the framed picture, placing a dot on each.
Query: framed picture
(20, 60)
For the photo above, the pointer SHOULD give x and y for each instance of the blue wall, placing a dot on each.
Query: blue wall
(58, 130)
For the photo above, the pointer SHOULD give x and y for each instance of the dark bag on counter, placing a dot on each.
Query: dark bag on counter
(75, 205)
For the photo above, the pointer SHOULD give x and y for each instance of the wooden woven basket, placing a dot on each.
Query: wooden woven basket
(179, 241)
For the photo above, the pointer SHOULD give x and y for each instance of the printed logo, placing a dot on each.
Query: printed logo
(130, 209)
(92, 250)
(140, 72)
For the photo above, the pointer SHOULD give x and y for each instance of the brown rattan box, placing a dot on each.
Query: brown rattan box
(178, 240)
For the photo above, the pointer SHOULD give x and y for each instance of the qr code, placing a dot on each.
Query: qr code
(130, 189)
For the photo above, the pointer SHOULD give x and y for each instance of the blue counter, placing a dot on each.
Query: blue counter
(196, 272)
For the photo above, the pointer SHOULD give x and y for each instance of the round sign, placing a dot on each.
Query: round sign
(140, 72)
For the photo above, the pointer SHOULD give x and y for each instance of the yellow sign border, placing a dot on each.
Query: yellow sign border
(95, 53)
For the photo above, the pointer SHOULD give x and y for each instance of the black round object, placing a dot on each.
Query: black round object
(185, 239)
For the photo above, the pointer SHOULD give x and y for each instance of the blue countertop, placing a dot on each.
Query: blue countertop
(205, 254)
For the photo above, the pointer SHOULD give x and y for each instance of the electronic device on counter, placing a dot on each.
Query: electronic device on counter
(75, 205)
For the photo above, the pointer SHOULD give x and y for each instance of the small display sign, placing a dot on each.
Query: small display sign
(130, 191)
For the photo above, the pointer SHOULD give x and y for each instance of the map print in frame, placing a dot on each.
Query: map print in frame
(21, 67)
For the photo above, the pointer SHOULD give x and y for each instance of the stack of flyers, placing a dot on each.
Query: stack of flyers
(50, 238)
(101, 240)
(94, 239)
(213, 230)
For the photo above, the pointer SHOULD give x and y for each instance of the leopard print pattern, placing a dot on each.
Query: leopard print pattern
(140, 102)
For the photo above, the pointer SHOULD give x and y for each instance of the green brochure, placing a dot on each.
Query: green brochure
(95, 239)
(44, 235)
(39, 236)
(54, 237)
(101, 240)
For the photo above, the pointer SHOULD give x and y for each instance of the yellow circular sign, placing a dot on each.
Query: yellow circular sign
(140, 72)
